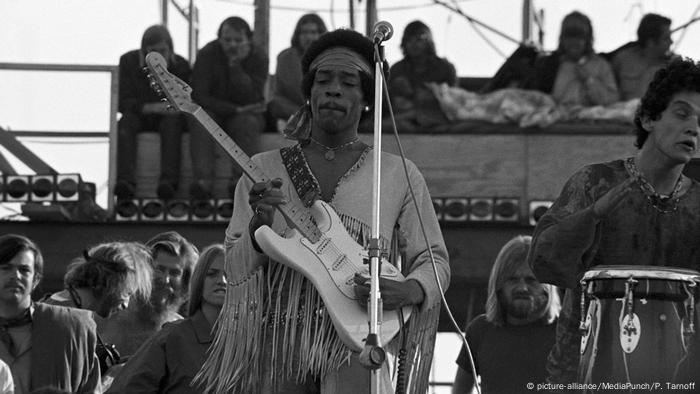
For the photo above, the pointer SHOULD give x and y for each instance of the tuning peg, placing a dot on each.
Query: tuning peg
(144, 69)
(170, 107)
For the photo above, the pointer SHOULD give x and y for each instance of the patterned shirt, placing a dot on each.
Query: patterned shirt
(569, 240)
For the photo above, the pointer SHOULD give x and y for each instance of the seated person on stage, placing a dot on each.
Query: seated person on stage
(511, 341)
(635, 63)
(288, 342)
(415, 104)
(228, 81)
(142, 110)
(174, 259)
(574, 74)
(515, 71)
(287, 96)
(639, 210)
(44, 345)
(169, 361)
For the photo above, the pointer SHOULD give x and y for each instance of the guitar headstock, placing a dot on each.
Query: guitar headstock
(176, 91)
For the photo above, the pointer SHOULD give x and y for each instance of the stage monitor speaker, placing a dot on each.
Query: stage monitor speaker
(127, 210)
(43, 188)
(177, 210)
(203, 210)
(152, 210)
(480, 209)
(506, 209)
(456, 209)
(224, 210)
(17, 188)
(537, 208)
(68, 187)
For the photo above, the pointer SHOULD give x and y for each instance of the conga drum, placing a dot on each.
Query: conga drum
(636, 323)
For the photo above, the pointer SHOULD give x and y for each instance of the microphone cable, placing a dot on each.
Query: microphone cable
(420, 221)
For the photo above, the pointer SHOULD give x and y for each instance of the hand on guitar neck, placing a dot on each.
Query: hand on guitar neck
(264, 197)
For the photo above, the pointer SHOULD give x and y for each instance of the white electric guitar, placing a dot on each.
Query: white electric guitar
(320, 248)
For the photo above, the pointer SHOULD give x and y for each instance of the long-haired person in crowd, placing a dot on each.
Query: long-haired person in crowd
(275, 333)
(168, 362)
(174, 258)
(414, 102)
(44, 345)
(511, 341)
(574, 74)
(287, 96)
(105, 278)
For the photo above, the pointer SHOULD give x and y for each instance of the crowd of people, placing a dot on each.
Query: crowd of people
(230, 82)
(250, 316)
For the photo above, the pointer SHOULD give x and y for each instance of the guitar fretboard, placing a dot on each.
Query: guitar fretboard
(295, 214)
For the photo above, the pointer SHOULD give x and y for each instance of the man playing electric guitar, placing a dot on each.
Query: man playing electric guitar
(274, 333)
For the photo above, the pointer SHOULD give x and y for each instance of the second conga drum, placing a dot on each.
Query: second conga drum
(636, 323)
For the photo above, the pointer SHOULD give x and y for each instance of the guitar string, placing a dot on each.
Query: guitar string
(345, 260)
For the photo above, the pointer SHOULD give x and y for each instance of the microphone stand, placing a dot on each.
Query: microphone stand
(373, 355)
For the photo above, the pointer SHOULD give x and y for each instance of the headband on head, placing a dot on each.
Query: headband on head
(299, 125)
(341, 57)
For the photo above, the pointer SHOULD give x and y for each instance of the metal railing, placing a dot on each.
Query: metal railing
(110, 135)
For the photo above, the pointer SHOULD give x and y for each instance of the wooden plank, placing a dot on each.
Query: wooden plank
(552, 159)
(467, 165)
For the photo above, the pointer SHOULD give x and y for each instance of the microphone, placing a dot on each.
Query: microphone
(382, 31)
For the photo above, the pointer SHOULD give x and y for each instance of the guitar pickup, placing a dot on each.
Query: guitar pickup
(323, 245)
(338, 262)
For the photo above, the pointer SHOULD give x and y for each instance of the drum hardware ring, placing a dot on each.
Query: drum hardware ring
(630, 325)
(689, 329)
(582, 325)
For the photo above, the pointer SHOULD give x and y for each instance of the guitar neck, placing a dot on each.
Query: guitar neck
(296, 215)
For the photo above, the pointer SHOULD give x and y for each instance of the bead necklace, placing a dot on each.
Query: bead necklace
(330, 151)
(663, 204)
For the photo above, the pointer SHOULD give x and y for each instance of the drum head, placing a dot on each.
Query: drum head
(654, 282)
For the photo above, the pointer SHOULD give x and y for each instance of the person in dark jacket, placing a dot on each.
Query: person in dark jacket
(169, 361)
(415, 103)
(44, 345)
(228, 81)
(142, 110)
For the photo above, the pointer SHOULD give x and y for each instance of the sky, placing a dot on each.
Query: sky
(97, 32)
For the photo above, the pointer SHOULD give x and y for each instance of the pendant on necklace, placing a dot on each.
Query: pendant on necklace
(329, 155)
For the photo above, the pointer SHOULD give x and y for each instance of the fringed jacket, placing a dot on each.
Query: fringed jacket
(262, 291)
